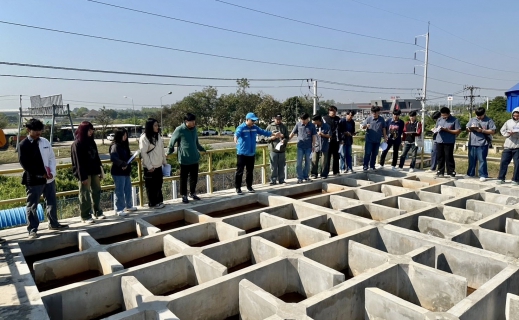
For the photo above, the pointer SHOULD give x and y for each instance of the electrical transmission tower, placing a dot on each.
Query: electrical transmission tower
(471, 97)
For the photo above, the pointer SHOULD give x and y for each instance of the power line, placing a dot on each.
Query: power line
(138, 82)
(338, 89)
(469, 74)
(472, 64)
(361, 86)
(313, 24)
(249, 34)
(197, 52)
(436, 26)
(18, 64)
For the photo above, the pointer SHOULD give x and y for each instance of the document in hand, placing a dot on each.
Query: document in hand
(133, 157)
(278, 146)
(436, 130)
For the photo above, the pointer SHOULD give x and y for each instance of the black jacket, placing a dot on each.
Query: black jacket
(85, 159)
(335, 129)
(31, 161)
(120, 155)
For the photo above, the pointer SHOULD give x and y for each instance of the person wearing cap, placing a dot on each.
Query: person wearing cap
(510, 130)
(277, 148)
(306, 140)
(189, 149)
(86, 167)
(39, 164)
(335, 136)
(321, 148)
(245, 139)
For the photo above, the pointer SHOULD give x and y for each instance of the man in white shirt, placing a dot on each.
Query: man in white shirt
(37, 159)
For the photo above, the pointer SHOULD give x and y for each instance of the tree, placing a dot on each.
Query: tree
(293, 107)
(223, 111)
(79, 112)
(497, 111)
(104, 120)
(267, 108)
(4, 122)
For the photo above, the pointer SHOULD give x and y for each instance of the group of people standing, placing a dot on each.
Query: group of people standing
(319, 141)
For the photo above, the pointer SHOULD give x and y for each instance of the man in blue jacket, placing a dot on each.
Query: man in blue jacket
(245, 139)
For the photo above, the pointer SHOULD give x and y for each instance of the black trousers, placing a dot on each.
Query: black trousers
(153, 183)
(395, 144)
(246, 162)
(190, 170)
(333, 151)
(506, 157)
(445, 158)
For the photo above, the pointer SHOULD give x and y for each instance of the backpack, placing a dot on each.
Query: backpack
(3, 141)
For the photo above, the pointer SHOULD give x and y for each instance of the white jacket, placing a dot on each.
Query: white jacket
(153, 156)
(47, 154)
(512, 139)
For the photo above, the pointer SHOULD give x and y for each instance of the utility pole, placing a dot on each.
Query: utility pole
(471, 97)
(315, 96)
(423, 98)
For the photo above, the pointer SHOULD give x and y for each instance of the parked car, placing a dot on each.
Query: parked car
(110, 137)
(261, 139)
(227, 133)
(210, 132)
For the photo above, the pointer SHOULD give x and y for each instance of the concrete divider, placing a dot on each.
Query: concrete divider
(512, 226)
(432, 197)
(207, 269)
(463, 216)
(362, 258)
(436, 227)
(512, 307)
(107, 263)
(382, 305)
(133, 292)
(86, 241)
(507, 200)
(145, 228)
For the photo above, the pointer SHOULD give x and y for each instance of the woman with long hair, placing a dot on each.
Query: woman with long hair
(153, 158)
(119, 155)
(86, 166)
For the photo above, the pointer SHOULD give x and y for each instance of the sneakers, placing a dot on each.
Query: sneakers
(130, 209)
(514, 183)
(429, 171)
(238, 191)
(33, 234)
(273, 183)
(393, 168)
(350, 171)
(250, 190)
(159, 206)
(89, 221)
(372, 169)
(314, 176)
(411, 170)
(194, 196)
(500, 181)
(482, 179)
(379, 166)
(439, 175)
(399, 169)
(452, 174)
(184, 199)
(121, 213)
(324, 177)
(282, 182)
(308, 180)
(364, 169)
(100, 217)
(299, 181)
(59, 227)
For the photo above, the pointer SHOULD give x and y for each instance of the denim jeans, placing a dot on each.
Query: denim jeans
(506, 158)
(408, 147)
(302, 173)
(123, 192)
(433, 157)
(479, 154)
(346, 158)
(370, 154)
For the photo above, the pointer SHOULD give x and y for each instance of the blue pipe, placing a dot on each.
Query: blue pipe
(17, 216)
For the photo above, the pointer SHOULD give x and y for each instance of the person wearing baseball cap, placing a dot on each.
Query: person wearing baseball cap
(277, 148)
(245, 139)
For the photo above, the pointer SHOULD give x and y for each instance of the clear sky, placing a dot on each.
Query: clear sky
(481, 37)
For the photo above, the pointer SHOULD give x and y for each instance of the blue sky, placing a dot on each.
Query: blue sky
(487, 29)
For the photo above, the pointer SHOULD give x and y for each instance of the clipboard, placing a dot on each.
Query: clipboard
(133, 157)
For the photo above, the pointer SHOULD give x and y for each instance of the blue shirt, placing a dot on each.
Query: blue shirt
(304, 134)
(246, 137)
(322, 144)
(478, 139)
(450, 123)
(374, 133)
(347, 126)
